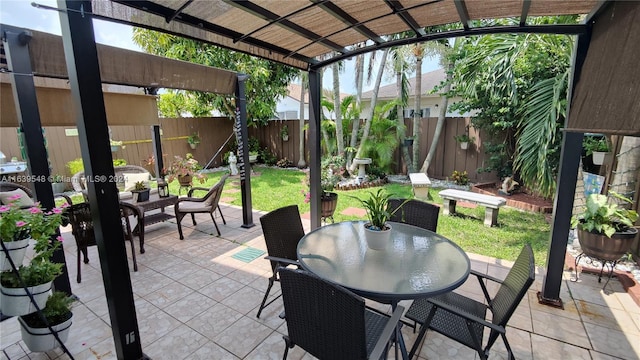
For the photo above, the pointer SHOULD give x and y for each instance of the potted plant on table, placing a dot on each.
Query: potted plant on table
(605, 229)
(37, 277)
(141, 192)
(184, 169)
(193, 140)
(377, 231)
(597, 147)
(464, 140)
(57, 312)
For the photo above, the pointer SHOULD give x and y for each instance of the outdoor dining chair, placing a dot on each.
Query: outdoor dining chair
(415, 212)
(282, 230)
(331, 322)
(203, 205)
(83, 231)
(8, 189)
(463, 319)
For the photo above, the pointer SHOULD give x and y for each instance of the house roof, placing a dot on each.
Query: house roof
(429, 81)
(293, 91)
(312, 34)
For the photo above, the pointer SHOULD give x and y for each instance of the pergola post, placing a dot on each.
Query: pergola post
(314, 146)
(86, 89)
(16, 43)
(565, 189)
(242, 135)
(157, 150)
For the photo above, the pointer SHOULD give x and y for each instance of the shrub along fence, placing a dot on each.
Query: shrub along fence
(63, 145)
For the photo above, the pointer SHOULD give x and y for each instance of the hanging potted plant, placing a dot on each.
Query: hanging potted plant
(464, 140)
(605, 230)
(193, 140)
(14, 233)
(284, 132)
(115, 145)
(377, 231)
(597, 148)
(184, 169)
(57, 312)
(40, 273)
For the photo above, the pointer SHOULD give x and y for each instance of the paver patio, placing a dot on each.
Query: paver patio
(195, 301)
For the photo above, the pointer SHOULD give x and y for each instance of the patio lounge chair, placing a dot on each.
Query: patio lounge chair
(463, 319)
(82, 230)
(416, 213)
(206, 204)
(330, 322)
(282, 230)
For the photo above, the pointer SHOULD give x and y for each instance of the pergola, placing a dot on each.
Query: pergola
(312, 34)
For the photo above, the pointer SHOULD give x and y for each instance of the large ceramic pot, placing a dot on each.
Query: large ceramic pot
(16, 251)
(601, 247)
(184, 180)
(329, 201)
(15, 301)
(377, 239)
(41, 339)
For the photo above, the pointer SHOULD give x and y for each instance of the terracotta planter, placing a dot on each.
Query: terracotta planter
(376, 239)
(15, 301)
(16, 250)
(184, 180)
(601, 247)
(41, 339)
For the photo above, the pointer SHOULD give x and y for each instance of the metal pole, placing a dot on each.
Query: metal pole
(157, 150)
(24, 93)
(242, 134)
(314, 146)
(86, 90)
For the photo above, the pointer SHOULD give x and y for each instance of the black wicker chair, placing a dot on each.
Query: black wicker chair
(282, 230)
(82, 230)
(206, 204)
(330, 322)
(416, 213)
(463, 319)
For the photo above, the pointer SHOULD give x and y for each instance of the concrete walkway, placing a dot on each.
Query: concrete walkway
(195, 301)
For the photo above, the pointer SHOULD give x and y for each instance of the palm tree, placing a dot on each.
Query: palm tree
(418, 52)
(400, 67)
(356, 123)
(335, 67)
(374, 99)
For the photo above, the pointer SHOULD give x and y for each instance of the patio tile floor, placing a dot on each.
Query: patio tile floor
(195, 301)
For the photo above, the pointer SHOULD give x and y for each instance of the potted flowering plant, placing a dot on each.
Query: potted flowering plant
(184, 169)
(34, 223)
(57, 312)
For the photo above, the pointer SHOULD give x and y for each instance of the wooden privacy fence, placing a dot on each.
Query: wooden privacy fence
(63, 145)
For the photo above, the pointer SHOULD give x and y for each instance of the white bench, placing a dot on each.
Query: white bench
(420, 183)
(491, 203)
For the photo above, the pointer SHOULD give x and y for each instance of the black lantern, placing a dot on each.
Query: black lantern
(163, 188)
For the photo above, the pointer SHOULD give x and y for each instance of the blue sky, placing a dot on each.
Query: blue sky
(21, 13)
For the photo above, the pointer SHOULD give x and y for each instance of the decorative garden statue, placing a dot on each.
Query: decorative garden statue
(508, 185)
(233, 160)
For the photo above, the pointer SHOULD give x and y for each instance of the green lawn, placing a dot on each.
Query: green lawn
(275, 188)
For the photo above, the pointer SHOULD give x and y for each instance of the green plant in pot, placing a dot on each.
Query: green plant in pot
(58, 315)
(596, 147)
(193, 140)
(377, 230)
(284, 132)
(33, 223)
(141, 192)
(464, 140)
(184, 169)
(605, 229)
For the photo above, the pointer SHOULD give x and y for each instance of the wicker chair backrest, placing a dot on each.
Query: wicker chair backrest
(326, 320)
(514, 287)
(282, 230)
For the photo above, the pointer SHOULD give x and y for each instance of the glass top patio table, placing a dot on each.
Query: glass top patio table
(416, 262)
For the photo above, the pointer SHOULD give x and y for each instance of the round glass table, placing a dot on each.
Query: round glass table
(416, 262)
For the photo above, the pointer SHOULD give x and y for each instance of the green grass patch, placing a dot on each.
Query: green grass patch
(275, 188)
